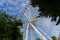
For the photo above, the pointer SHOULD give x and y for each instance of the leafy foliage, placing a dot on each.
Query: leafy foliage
(9, 27)
(47, 8)
(38, 39)
(54, 38)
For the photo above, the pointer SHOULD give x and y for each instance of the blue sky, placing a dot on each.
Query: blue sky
(15, 7)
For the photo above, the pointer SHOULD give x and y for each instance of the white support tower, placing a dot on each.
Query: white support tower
(27, 31)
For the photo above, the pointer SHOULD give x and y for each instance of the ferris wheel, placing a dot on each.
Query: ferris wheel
(31, 25)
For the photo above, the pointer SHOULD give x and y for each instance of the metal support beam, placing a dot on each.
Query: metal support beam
(45, 34)
(32, 33)
(38, 32)
(27, 32)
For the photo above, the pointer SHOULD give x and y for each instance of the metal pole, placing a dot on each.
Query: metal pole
(32, 33)
(38, 32)
(45, 34)
(27, 32)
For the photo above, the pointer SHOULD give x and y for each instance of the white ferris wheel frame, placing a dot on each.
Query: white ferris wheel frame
(29, 23)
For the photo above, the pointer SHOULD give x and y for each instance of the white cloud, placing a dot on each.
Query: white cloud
(56, 30)
(12, 5)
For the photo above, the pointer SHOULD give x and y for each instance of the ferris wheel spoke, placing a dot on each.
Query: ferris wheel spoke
(25, 9)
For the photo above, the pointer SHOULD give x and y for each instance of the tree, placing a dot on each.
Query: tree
(38, 39)
(54, 38)
(15, 30)
(48, 8)
(9, 27)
